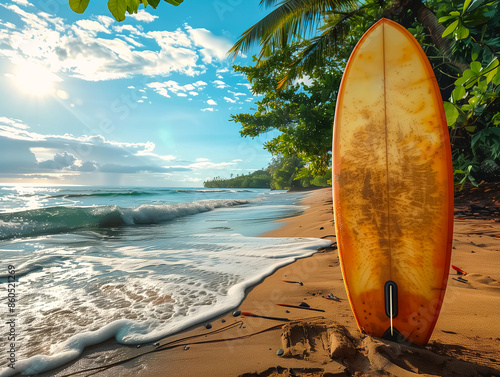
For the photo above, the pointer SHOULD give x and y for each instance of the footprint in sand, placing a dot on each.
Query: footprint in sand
(479, 281)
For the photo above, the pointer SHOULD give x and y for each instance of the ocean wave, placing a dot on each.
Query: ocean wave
(104, 194)
(62, 219)
(197, 191)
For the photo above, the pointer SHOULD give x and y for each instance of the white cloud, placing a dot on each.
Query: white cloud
(220, 84)
(93, 27)
(23, 3)
(229, 100)
(88, 50)
(130, 28)
(236, 94)
(131, 40)
(208, 109)
(144, 16)
(211, 102)
(213, 47)
(248, 86)
(171, 86)
(159, 88)
(305, 80)
(200, 84)
(105, 20)
(222, 70)
(34, 153)
(207, 164)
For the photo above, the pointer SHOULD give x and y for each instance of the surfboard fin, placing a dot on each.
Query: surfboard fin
(394, 335)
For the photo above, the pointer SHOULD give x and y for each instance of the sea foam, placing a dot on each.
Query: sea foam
(194, 300)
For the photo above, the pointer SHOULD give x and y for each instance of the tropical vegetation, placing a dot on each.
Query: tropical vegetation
(304, 46)
(282, 173)
(257, 179)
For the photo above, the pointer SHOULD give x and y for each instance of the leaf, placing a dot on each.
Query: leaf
(496, 121)
(483, 31)
(474, 100)
(475, 67)
(466, 5)
(451, 113)
(117, 9)
(174, 2)
(458, 93)
(493, 64)
(466, 75)
(78, 6)
(461, 32)
(455, 14)
(450, 29)
(482, 84)
(154, 3)
(444, 19)
(491, 75)
(496, 79)
(132, 6)
(472, 180)
(475, 53)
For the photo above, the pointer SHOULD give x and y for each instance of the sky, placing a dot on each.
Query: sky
(87, 100)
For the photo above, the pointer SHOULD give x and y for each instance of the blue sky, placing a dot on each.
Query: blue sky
(89, 100)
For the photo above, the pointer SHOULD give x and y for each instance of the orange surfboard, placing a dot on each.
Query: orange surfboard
(392, 186)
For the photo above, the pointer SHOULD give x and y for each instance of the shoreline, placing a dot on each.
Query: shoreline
(466, 337)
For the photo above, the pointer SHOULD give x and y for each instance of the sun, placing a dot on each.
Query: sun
(35, 79)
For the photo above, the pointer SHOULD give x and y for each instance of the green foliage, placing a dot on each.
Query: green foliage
(464, 170)
(473, 109)
(257, 179)
(78, 6)
(119, 8)
(284, 171)
(302, 113)
(282, 174)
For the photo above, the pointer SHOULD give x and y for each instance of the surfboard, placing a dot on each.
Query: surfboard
(392, 186)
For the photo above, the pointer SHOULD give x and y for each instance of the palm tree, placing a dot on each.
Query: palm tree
(329, 22)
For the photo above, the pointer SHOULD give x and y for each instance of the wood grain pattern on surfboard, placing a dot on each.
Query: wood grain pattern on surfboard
(392, 186)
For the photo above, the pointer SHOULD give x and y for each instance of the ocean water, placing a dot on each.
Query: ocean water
(80, 265)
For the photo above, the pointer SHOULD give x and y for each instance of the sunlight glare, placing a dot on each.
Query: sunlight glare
(35, 79)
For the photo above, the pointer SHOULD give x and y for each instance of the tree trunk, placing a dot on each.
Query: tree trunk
(429, 20)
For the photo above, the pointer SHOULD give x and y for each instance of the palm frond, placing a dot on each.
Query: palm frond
(324, 45)
(289, 21)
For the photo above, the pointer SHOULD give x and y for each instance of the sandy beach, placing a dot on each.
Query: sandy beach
(326, 341)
